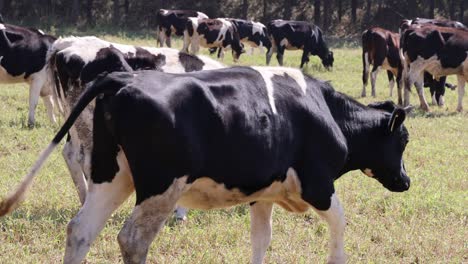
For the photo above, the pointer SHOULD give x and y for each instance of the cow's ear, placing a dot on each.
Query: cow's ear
(397, 118)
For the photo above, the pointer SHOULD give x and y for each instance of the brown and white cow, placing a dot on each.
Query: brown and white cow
(22, 60)
(173, 22)
(213, 33)
(436, 87)
(440, 51)
(381, 48)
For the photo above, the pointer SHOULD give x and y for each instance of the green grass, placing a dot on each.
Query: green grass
(427, 224)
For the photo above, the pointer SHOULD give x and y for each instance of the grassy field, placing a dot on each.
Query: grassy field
(427, 224)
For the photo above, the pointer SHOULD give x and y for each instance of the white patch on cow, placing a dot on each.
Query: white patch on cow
(125, 49)
(368, 172)
(260, 230)
(336, 222)
(2, 27)
(210, 64)
(102, 200)
(284, 42)
(257, 27)
(201, 15)
(296, 74)
(86, 47)
(164, 11)
(41, 32)
(205, 193)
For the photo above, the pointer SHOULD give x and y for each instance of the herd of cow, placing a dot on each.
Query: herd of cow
(182, 129)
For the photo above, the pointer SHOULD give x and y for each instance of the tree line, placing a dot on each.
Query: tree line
(339, 17)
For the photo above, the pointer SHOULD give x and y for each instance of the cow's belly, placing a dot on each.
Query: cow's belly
(204, 193)
(386, 66)
(287, 45)
(5, 77)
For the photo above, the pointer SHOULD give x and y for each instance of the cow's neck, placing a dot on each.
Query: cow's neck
(359, 124)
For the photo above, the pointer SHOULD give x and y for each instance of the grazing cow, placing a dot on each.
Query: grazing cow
(173, 22)
(74, 62)
(213, 33)
(293, 35)
(440, 51)
(219, 138)
(436, 87)
(381, 48)
(22, 59)
(251, 33)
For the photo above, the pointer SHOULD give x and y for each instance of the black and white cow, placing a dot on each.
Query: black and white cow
(22, 59)
(293, 35)
(75, 61)
(218, 33)
(251, 33)
(219, 138)
(436, 87)
(440, 51)
(173, 22)
(381, 48)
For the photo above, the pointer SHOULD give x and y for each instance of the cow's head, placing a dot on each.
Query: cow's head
(384, 162)
(328, 60)
(237, 50)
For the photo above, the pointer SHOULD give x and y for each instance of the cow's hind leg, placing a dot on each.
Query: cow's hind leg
(260, 232)
(336, 222)
(70, 153)
(34, 91)
(391, 82)
(147, 219)
(101, 201)
(365, 72)
(422, 99)
(375, 71)
(461, 92)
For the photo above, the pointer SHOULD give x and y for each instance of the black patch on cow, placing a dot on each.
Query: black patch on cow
(144, 60)
(23, 50)
(190, 62)
(107, 60)
(68, 71)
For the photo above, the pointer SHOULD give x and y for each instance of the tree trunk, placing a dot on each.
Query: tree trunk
(353, 11)
(75, 11)
(126, 9)
(265, 9)
(317, 12)
(288, 9)
(430, 14)
(452, 9)
(326, 14)
(116, 12)
(89, 13)
(340, 9)
(245, 9)
(462, 11)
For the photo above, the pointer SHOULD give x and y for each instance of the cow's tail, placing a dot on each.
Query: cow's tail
(100, 86)
(52, 79)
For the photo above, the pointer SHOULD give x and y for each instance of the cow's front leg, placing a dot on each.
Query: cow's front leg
(305, 58)
(422, 99)
(461, 92)
(336, 222)
(260, 230)
(34, 92)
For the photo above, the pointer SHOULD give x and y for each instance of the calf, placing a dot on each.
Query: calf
(436, 87)
(244, 135)
(293, 35)
(381, 48)
(22, 59)
(173, 22)
(213, 33)
(440, 51)
(74, 62)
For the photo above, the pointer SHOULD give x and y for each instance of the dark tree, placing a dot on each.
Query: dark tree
(245, 9)
(317, 12)
(353, 11)
(339, 3)
(431, 9)
(75, 11)
(462, 11)
(452, 9)
(327, 14)
(89, 13)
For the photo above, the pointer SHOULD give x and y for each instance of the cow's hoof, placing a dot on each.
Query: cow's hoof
(337, 259)
(363, 95)
(424, 107)
(460, 109)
